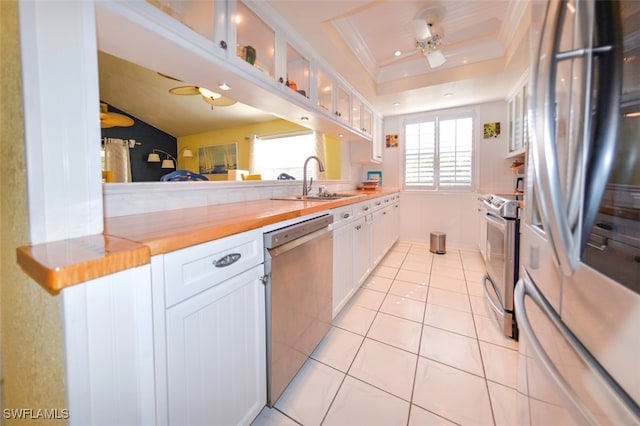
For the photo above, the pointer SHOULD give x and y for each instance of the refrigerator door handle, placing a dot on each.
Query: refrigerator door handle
(557, 210)
(526, 288)
(602, 149)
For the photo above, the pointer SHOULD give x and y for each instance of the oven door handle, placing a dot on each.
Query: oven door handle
(493, 304)
(496, 220)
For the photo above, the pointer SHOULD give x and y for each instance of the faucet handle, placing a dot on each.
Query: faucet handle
(310, 185)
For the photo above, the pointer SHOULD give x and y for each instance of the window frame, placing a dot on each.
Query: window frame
(437, 118)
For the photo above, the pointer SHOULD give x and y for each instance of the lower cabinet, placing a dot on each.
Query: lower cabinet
(209, 332)
(343, 265)
(360, 244)
(216, 353)
(363, 232)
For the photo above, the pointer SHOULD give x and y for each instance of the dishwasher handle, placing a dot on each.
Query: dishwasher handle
(277, 251)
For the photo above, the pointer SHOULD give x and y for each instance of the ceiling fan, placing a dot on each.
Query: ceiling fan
(210, 97)
(428, 37)
(113, 119)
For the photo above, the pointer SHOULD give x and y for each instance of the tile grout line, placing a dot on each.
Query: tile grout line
(484, 371)
(415, 370)
(324, 417)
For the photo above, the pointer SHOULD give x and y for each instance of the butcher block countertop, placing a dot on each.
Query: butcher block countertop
(130, 241)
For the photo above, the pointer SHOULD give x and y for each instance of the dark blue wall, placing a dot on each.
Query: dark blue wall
(151, 138)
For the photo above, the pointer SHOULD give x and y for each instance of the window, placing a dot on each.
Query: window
(439, 153)
(274, 155)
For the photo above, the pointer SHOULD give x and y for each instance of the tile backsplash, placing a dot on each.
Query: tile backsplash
(121, 199)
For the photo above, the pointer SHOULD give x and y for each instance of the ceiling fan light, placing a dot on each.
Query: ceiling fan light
(435, 58)
(208, 93)
(167, 164)
(153, 158)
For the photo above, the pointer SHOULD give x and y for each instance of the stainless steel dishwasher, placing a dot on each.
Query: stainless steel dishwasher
(298, 270)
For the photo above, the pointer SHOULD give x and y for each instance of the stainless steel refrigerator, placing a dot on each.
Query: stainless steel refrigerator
(577, 302)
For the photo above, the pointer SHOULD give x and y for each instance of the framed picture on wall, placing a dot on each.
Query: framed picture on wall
(218, 159)
(375, 175)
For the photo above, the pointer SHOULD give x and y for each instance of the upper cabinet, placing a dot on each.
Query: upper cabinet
(204, 18)
(298, 72)
(245, 45)
(324, 91)
(516, 105)
(255, 40)
(362, 117)
(343, 106)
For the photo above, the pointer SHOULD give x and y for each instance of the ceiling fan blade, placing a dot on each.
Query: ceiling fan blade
(435, 58)
(421, 29)
(185, 90)
(113, 119)
(169, 77)
(220, 102)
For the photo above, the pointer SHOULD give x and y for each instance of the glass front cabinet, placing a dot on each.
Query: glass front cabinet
(516, 111)
(245, 35)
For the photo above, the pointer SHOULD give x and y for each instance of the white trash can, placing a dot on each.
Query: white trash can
(438, 242)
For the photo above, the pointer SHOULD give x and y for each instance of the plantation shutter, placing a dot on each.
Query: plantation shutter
(439, 153)
(420, 151)
(456, 144)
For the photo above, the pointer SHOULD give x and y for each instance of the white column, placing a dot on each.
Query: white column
(61, 113)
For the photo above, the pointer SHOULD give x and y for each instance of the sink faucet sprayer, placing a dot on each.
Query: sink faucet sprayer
(305, 188)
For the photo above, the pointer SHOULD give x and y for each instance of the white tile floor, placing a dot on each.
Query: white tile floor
(416, 345)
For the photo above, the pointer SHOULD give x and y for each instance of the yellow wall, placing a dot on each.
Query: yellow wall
(31, 331)
(240, 136)
(332, 155)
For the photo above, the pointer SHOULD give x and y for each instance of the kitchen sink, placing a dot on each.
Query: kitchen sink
(328, 197)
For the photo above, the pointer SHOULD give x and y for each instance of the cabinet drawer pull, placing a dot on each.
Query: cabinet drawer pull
(366, 209)
(227, 260)
(346, 215)
(378, 203)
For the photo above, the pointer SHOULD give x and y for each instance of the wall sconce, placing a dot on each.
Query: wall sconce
(168, 163)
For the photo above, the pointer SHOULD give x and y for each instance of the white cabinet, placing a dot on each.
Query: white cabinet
(363, 234)
(343, 256)
(382, 224)
(371, 150)
(517, 123)
(386, 225)
(216, 359)
(209, 332)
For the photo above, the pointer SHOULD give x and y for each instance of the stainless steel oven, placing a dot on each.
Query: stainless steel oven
(502, 250)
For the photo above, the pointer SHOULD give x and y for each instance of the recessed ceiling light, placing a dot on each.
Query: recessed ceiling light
(448, 95)
(340, 134)
(396, 104)
(397, 53)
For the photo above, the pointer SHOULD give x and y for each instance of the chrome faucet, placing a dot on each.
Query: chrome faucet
(305, 188)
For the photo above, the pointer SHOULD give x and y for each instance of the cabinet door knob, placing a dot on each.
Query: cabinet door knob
(223, 44)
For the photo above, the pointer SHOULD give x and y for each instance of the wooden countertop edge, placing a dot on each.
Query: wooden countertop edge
(53, 275)
(85, 258)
